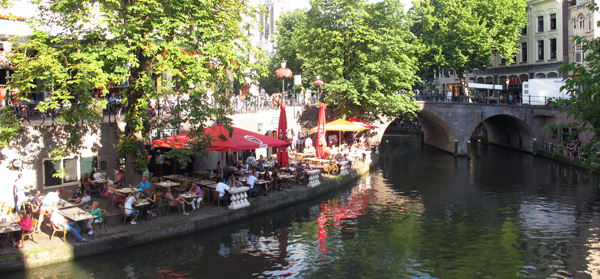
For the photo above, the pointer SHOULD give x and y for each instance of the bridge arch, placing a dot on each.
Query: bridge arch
(436, 131)
(509, 131)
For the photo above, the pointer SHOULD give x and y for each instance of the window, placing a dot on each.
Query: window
(524, 31)
(553, 48)
(72, 171)
(589, 23)
(540, 24)
(581, 21)
(524, 52)
(553, 22)
(578, 53)
(540, 50)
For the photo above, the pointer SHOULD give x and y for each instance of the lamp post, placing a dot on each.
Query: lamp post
(283, 64)
(507, 81)
(318, 83)
(283, 73)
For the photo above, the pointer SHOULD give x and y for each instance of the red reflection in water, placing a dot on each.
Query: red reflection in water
(333, 212)
(169, 273)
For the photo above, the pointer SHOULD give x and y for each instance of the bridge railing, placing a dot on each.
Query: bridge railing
(482, 99)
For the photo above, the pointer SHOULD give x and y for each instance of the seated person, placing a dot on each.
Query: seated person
(196, 190)
(270, 180)
(259, 164)
(96, 211)
(59, 221)
(84, 200)
(131, 201)
(144, 185)
(251, 179)
(76, 198)
(310, 150)
(116, 196)
(239, 171)
(118, 178)
(26, 225)
(97, 175)
(36, 200)
(301, 174)
(176, 201)
(223, 189)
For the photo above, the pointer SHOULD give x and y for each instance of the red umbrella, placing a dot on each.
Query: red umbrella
(240, 140)
(282, 155)
(321, 142)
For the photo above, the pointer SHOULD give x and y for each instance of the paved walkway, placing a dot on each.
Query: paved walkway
(119, 235)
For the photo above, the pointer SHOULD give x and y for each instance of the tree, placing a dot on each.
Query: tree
(365, 54)
(583, 89)
(289, 27)
(462, 35)
(79, 46)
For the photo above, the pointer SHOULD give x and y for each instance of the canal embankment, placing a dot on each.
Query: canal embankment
(119, 235)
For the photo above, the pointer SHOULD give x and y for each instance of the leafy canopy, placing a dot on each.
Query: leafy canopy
(462, 35)
(156, 49)
(364, 53)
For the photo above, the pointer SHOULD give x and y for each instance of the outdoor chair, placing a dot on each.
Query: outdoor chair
(56, 229)
(155, 208)
(96, 225)
(177, 205)
(218, 199)
(68, 194)
(124, 214)
(30, 234)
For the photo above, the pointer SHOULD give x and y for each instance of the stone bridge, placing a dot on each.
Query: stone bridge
(450, 125)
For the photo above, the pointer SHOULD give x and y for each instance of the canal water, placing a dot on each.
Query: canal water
(420, 214)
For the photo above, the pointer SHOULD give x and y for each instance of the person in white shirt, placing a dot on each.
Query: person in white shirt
(84, 200)
(129, 204)
(223, 189)
(251, 179)
(73, 227)
(19, 192)
(47, 206)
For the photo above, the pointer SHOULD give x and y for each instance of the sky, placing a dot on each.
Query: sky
(304, 3)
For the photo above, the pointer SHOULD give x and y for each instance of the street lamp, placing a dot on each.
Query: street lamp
(318, 83)
(507, 81)
(283, 73)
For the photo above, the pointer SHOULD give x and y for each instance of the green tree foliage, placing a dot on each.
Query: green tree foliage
(289, 26)
(365, 54)
(583, 89)
(78, 46)
(462, 35)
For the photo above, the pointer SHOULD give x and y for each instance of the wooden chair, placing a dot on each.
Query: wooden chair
(56, 229)
(30, 234)
(86, 185)
(124, 214)
(206, 195)
(218, 198)
(155, 208)
(154, 180)
(68, 194)
(100, 224)
(183, 187)
(111, 201)
(176, 205)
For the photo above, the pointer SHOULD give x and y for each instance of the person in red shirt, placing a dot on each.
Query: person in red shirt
(26, 225)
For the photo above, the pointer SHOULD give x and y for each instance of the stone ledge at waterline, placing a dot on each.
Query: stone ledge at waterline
(119, 236)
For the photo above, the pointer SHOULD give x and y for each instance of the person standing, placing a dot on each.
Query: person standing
(48, 206)
(158, 165)
(19, 193)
